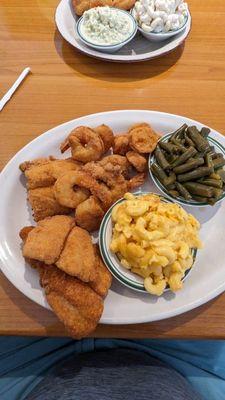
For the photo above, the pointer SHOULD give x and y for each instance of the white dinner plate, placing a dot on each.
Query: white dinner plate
(122, 305)
(139, 49)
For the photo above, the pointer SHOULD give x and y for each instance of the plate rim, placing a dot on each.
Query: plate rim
(106, 57)
(110, 320)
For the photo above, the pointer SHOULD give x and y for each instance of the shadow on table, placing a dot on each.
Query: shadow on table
(118, 72)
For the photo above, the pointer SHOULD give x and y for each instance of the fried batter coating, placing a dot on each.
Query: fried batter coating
(44, 172)
(46, 241)
(138, 161)
(117, 161)
(83, 5)
(103, 280)
(89, 214)
(44, 203)
(136, 181)
(142, 138)
(77, 257)
(121, 144)
(107, 136)
(67, 192)
(86, 144)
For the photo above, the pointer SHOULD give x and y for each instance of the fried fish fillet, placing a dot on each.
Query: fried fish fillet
(89, 214)
(77, 257)
(44, 172)
(103, 279)
(82, 5)
(46, 241)
(44, 203)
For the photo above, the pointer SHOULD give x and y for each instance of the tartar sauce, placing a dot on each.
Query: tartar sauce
(106, 26)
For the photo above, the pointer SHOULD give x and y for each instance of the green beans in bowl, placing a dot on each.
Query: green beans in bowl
(188, 166)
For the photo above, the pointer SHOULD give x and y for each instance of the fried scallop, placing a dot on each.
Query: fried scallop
(142, 138)
(44, 204)
(103, 280)
(138, 161)
(77, 257)
(106, 133)
(121, 144)
(44, 172)
(46, 241)
(89, 214)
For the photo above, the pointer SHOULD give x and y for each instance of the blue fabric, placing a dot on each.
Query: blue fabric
(24, 361)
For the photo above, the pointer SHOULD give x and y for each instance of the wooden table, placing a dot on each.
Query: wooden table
(65, 84)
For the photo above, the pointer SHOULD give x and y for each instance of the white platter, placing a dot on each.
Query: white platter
(122, 305)
(139, 49)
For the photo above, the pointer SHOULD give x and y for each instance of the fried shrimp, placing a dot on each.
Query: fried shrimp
(121, 144)
(106, 134)
(138, 161)
(142, 138)
(69, 191)
(89, 214)
(86, 144)
(136, 181)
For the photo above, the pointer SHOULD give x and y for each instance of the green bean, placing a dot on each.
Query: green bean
(199, 155)
(213, 182)
(171, 179)
(199, 189)
(179, 131)
(209, 162)
(188, 140)
(171, 158)
(192, 175)
(178, 144)
(217, 193)
(158, 171)
(212, 201)
(173, 193)
(218, 162)
(169, 147)
(221, 173)
(215, 176)
(188, 166)
(200, 142)
(217, 155)
(183, 191)
(191, 151)
(160, 158)
(205, 131)
(201, 199)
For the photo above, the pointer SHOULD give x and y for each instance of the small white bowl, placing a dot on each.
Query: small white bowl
(160, 36)
(123, 275)
(108, 48)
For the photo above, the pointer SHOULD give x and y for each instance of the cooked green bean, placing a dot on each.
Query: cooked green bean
(221, 173)
(158, 171)
(217, 155)
(213, 182)
(171, 158)
(218, 162)
(173, 193)
(192, 175)
(215, 176)
(179, 131)
(169, 147)
(178, 144)
(190, 152)
(171, 179)
(188, 140)
(183, 191)
(208, 161)
(200, 142)
(188, 166)
(160, 158)
(212, 201)
(217, 193)
(201, 199)
(199, 189)
(205, 131)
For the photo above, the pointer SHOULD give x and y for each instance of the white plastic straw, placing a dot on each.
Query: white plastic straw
(10, 92)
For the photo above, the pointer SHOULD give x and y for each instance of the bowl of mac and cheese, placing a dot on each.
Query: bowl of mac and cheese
(149, 243)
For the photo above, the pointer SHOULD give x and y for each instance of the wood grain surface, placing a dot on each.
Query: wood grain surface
(65, 84)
